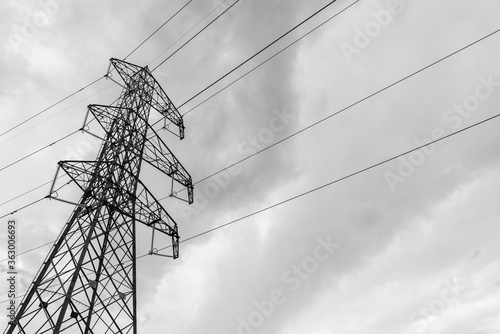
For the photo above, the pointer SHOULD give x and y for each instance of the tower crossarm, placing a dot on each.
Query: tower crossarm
(158, 100)
(156, 152)
(106, 115)
(158, 155)
(161, 103)
(143, 206)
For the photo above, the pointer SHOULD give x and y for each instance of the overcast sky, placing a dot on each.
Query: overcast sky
(408, 247)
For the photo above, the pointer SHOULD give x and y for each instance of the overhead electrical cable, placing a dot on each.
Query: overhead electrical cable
(106, 87)
(325, 185)
(23, 207)
(187, 32)
(32, 249)
(265, 48)
(86, 86)
(65, 109)
(47, 146)
(39, 150)
(310, 191)
(29, 191)
(262, 63)
(37, 201)
(154, 32)
(348, 107)
(199, 32)
(111, 85)
(268, 59)
(359, 101)
(50, 107)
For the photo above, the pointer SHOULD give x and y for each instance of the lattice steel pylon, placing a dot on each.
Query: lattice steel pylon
(87, 284)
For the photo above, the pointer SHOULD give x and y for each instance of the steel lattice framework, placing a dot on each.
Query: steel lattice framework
(87, 284)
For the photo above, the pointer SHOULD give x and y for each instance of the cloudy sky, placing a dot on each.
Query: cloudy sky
(406, 247)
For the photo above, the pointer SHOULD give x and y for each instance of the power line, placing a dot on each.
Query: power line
(23, 207)
(8, 300)
(199, 32)
(348, 107)
(325, 185)
(270, 58)
(26, 192)
(158, 29)
(44, 184)
(246, 61)
(187, 32)
(51, 106)
(88, 85)
(262, 50)
(30, 250)
(55, 104)
(351, 105)
(31, 190)
(65, 109)
(262, 63)
(39, 150)
(25, 157)
(109, 86)
(335, 181)
(49, 145)
(128, 56)
(38, 200)
(356, 103)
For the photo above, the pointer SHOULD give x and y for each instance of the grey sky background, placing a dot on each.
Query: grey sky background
(416, 239)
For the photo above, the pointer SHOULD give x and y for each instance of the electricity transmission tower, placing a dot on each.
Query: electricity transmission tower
(87, 283)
